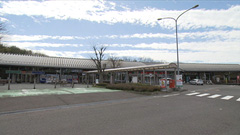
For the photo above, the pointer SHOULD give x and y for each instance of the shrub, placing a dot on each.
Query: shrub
(134, 87)
(102, 84)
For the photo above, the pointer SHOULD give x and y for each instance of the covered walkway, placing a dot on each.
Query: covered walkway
(137, 74)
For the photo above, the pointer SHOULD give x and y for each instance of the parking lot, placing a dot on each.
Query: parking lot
(207, 109)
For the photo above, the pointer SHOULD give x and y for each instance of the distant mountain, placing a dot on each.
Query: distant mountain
(16, 50)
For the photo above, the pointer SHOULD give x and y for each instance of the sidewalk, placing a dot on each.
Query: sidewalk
(18, 90)
(27, 98)
(17, 86)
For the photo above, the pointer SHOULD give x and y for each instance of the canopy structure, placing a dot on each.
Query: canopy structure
(137, 68)
(144, 68)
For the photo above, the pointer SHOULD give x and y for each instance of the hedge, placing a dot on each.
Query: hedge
(134, 87)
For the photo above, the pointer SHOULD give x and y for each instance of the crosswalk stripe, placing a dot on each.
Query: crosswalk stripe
(227, 97)
(190, 94)
(202, 95)
(211, 96)
(214, 96)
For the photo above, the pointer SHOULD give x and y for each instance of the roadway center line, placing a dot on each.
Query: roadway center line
(190, 94)
(227, 97)
(238, 99)
(214, 96)
(202, 95)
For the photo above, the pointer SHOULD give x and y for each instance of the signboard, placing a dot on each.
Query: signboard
(24, 72)
(13, 71)
(76, 71)
(179, 80)
(97, 82)
(38, 72)
(134, 79)
(162, 83)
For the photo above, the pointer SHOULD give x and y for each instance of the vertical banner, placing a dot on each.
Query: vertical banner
(179, 80)
(162, 83)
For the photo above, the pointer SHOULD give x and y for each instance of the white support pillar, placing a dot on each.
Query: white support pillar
(137, 76)
(166, 79)
(87, 79)
(111, 78)
(127, 77)
(34, 82)
(143, 76)
(121, 76)
(82, 78)
(154, 77)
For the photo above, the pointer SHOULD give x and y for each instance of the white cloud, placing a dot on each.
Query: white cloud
(207, 52)
(3, 19)
(105, 12)
(205, 57)
(209, 35)
(216, 34)
(68, 54)
(31, 45)
(14, 38)
(25, 37)
(207, 46)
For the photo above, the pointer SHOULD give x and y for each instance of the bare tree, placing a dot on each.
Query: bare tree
(114, 61)
(97, 59)
(138, 59)
(130, 59)
(2, 30)
(142, 59)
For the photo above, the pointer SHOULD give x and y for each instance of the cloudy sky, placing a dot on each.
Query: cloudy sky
(207, 34)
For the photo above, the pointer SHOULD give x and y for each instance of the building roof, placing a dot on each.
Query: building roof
(137, 68)
(57, 62)
(78, 63)
(208, 67)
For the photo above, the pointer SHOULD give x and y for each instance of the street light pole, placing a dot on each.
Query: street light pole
(177, 32)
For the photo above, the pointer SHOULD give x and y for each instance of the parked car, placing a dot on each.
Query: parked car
(196, 82)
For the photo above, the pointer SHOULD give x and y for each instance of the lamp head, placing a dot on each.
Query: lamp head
(159, 19)
(195, 6)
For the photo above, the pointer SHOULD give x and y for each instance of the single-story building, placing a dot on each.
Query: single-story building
(23, 68)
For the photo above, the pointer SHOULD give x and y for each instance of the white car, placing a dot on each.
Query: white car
(196, 82)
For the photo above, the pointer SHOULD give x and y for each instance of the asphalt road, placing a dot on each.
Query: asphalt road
(182, 113)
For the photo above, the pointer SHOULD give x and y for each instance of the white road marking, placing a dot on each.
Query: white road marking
(238, 99)
(202, 95)
(214, 96)
(170, 95)
(227, 97)
(190, 94)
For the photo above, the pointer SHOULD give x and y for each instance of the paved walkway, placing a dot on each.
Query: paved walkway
(18, 90)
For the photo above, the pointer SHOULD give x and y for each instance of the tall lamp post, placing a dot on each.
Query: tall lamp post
(177, 31)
